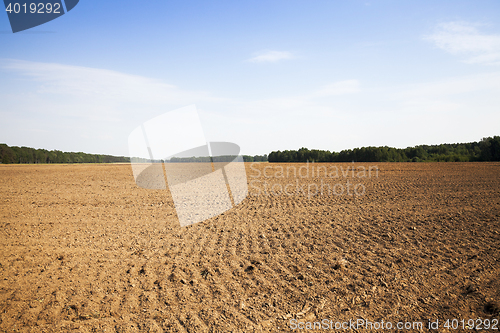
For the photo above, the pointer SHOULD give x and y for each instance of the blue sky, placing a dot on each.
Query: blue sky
(267, 75)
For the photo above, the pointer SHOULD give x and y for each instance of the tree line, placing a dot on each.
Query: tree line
(488, 149)
(14, 154)
(10, 155)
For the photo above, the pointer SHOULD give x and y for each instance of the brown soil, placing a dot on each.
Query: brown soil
(83, 249)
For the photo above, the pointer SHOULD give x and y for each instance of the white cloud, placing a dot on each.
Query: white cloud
(297, 104)
(271, 56)
(462, 85)
(339, 88)
(104, 84)
(462, 38)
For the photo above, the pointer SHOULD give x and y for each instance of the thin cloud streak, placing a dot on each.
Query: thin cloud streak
(462, 38)
(338, 88)
(105, 84)
(271, 56)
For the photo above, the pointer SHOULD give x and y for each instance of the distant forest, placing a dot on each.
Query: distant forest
(10, 155)
(488, 149)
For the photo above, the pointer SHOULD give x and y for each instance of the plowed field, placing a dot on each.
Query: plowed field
(83, 249)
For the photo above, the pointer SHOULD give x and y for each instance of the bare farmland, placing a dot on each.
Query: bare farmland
(83, 249)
